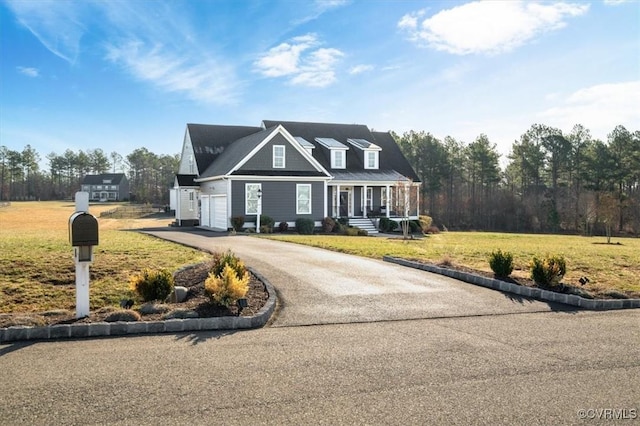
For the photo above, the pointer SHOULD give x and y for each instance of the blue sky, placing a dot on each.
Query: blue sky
(121, 75)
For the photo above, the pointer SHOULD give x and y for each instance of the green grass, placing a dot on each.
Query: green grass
(37, 269)
(610, 267)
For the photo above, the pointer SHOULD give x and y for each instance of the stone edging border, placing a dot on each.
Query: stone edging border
(122, 328)
(531, 292)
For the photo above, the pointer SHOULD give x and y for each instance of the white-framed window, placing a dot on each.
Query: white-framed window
(278, 157)
(192, 201)
(384, 197)
(338, 158)
(192, 165)
(371, 159)
(252, 193)
(303, 198)
(369, 198)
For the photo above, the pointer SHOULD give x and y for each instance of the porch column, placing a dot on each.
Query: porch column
(418, 200)
(387, 200)
(364, 196)
(338, 200)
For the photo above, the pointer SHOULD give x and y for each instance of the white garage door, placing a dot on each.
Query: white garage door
(205, 219)
(219, 210)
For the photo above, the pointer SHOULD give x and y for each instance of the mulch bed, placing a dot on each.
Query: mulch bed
(192, 277)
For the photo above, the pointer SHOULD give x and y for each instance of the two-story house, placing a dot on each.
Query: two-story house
(288, 170)
(106, 187)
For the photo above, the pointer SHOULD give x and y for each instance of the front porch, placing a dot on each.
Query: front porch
(366, 200)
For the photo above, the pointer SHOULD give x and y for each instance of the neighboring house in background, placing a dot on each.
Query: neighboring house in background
(289, 170)
(106, 187)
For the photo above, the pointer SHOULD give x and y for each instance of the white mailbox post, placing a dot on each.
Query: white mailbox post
(83, 235)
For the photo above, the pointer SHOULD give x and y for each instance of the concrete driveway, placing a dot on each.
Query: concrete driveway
(317, 286)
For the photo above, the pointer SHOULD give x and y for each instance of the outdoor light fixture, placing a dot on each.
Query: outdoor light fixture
(241, 303)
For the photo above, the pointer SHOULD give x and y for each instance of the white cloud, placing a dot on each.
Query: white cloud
(55, 24)
(29, 71)
(615, 2)
(300, 60)
(200, 78)
(359, 69)
(488, 27)
(599, 108)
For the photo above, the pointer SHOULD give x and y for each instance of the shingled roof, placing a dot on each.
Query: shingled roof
(209, 141)
(391, 158)
(114, 178)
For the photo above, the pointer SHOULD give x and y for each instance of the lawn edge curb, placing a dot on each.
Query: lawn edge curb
(530, 292)
(121, 328)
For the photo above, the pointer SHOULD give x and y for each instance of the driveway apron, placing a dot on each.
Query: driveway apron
(317, 286)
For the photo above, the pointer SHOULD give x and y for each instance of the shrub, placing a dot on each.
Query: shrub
(237, 222)
(266, 224)
(387, 225)
(228, 287)
(304, 226)
(501, 263)
(362, 232)
(283, 226)
(425, 223)
(152, 284)
(340, 228)
(125, 315)
(351, 231)
(549, 271)
(414, 226)
(433, 230)
(228, 258)
(328, 224)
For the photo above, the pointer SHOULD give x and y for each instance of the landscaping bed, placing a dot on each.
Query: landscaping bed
(196, 305)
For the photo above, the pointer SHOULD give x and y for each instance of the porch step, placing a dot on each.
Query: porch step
(364, 223)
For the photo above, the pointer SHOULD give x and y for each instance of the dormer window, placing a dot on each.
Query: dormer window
(338, 159)
(308, 146)
(278, 157)
(370, 151)
(338, 152)
(371, 159)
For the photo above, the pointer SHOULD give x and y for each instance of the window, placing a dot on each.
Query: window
(192, 201)
(192, 169)
(278, 157)
(386, 195)
(252, 202)
(338, 157)
(371, 160)
(303, 197)
(369, 199)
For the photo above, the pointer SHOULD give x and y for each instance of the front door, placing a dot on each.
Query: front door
(346, 202)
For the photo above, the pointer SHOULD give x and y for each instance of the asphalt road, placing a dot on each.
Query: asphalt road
(527, 368)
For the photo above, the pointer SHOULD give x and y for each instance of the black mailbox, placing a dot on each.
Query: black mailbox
(83, 230)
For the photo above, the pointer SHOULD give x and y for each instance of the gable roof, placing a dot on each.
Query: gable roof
(391, 158)
(210, 140)
(115, 178)
(235, 154)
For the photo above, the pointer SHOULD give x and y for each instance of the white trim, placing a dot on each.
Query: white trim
(246, 198)
(334, 153)
(376, 161)
(275, 157)
(279, 130)
(298, 187)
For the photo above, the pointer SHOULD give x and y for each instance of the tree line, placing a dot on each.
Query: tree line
(552, 182)
(21, 177)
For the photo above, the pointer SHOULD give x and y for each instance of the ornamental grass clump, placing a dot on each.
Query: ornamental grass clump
(548, 272)
(501, 263)
(152, 284)
(228, 287)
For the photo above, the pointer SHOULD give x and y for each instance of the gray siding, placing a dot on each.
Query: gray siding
(263, 160)
(278, 200)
